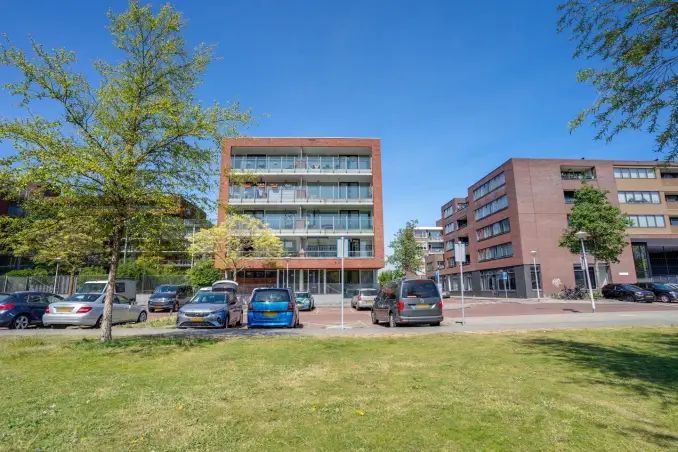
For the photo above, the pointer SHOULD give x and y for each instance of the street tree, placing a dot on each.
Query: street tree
(388, 275)
(408, 256)
(238, 239)
(592, 212)
(127, 145)
(203, 273)
(636, 82)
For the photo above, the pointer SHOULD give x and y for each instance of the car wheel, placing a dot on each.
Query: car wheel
(629, 298)
(142, 317)
(664, 298)
(21, 322)
(391, 320)
(98, 324)
(435, 324)
(374, 319)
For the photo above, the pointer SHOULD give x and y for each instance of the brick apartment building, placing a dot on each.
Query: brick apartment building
(523, 205)
(310, 192)
(430, 239)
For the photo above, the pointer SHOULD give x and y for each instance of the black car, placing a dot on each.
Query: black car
(19, 310)
(627, 292)
(663, 292)
(408, 301)
(169, 297)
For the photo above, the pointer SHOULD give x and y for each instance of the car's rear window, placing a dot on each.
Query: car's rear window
(369, 292)
(663, 286)
(302, 295)
(419, 289)
(270, 296)
(86, 297)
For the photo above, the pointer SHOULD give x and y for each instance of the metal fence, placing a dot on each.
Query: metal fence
(145, 284)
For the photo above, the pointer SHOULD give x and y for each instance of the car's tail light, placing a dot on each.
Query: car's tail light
(401, 305)
(360, 298)
(6, 306)
(440, 304)
(83, 310)
(47, 310)
(249, 306)
(290, 306)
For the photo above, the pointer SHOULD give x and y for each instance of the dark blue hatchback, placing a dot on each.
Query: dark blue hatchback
(19, 310)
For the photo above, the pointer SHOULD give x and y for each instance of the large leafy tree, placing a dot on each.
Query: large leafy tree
(128, 145)
(592, 212)
(408, 257)
(637, 84)
(235, 241)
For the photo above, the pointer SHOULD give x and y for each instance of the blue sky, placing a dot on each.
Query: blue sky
(453, 89)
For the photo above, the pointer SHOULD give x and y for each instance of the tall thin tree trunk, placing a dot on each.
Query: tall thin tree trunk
(596, 272)
(107, 321)
(71, 282)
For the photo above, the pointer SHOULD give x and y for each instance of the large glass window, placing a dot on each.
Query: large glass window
(628, 197)
(498, 228)
(495, 252)
(449, 228)
(635, 173)
(447, 212)
(536, 278)
(647, 221)
(580, 277)
(489, 186)
(492, 207)
(501, 279)
(449, 245)
(641, 260)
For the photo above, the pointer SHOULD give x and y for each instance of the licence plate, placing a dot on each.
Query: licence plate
(423, 306)
(197, 319)
(270, 314)
(64, 309)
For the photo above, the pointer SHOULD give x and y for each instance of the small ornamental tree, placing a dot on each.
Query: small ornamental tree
(592, 212)
(238, 239)
(408, 256)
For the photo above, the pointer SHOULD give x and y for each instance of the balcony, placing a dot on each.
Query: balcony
(302, 194)
(274, 164)
(583, 174)
(329, 252)
(318, 225)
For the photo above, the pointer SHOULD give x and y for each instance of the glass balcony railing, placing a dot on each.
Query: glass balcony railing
(322, 224)
(331, 252)
(270, 193)
(306, 164)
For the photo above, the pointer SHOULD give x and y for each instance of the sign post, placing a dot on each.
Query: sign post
(504, 276)
(460, 257)
(342, 249)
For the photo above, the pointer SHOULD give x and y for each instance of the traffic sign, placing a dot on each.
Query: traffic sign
(504, 275)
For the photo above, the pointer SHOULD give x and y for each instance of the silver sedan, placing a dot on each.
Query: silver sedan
(211, 310)
(87, 309)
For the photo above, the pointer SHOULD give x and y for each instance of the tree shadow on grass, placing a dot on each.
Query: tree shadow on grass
(648, 366)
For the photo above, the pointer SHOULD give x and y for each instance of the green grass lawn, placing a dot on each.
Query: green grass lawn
(589, 390)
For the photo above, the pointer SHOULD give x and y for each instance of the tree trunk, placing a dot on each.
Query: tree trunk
(71, 282)
(596, 272)
(107, 320)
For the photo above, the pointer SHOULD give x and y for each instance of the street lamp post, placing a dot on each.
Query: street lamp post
(582, 235)
(56, 275)
(287, 273)
(536, 275)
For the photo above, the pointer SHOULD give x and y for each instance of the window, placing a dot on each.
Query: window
(580, 277)
(447, 212)
(35, 298)
(435, 235)
(449, 228)
(429, 266)
(569, 197)
(493, 280)
(498, 228)
(495, 252)
(671, 198)
(467, 281)
(673, 221)
(635, 173)
(420, 289)
(628, 197)
(489, 186)
(450, 262)
(492, 207)
(119, 287)
(538, 278)
(441, 265)
(669, 175)
(449, 245)
(647, 221)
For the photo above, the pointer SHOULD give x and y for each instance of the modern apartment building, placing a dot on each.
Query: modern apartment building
(523, 205)
(430, 239)
(310, 191)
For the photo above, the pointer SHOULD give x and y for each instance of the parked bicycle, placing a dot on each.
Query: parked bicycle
(572, 293)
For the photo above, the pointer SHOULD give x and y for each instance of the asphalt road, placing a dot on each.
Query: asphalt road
(479, 318)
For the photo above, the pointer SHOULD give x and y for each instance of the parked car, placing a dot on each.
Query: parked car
(663, 292)
(87, 309)
(19, 310)
(211, 310)
(363, 298)
(408, 301)
(447, 294)
(123, 287)
(304, 301)
(272, 307)
(169, 297)
(627, 292)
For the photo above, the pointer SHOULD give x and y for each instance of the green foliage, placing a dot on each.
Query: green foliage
(388, 275)
(203, 274)
(27, 272)
(93, 271)
(637, 82)
(592, 212)
(125, 150)
(408, 256)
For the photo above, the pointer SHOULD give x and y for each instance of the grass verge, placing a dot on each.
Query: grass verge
(589, 390)
(160, 322)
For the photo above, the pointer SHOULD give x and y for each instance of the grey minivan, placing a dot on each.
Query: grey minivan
(169, 297)
(408, 301)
